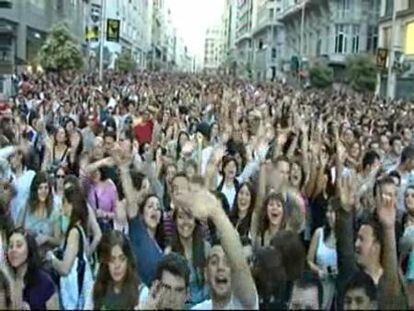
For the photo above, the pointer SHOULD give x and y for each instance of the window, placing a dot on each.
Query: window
(409, 39)
(372, 39)
(274, 53)
(341, 39)
(411, 4)
(355, 38)
(387, 37)
(271, 13)
(389, 6)
(345, 7)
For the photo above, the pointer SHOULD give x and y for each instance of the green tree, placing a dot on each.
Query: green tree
(320, 75)
(60, 51)
(125, 62)
(361, 73)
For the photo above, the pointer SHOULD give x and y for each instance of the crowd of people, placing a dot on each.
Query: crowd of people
(172, 191)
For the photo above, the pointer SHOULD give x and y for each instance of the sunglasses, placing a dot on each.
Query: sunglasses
(60, 176)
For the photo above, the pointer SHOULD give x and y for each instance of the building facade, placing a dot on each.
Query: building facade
(24, 26)
(133, 36)
(212, 49)
(331, 30)
(229, 26)
(268, 39)
(401, 83)
(246, 15)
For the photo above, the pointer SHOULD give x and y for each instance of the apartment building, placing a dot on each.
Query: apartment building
(402, 43)
(331, 29)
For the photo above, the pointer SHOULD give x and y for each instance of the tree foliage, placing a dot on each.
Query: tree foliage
(60, 51)
(125, 62)
(320, 75)
(361, 73)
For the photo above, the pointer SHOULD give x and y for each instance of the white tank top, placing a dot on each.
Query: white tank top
(325, 256)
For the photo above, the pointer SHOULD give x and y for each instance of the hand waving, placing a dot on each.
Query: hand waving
(347, 191)
(198, 202)
(386, 211)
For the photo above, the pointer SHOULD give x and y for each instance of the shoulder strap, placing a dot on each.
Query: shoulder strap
(96, 199)
(80, 250)
(64, 154)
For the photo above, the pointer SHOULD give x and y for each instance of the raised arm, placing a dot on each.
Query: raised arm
(261, 193)
(344, 229)
(391, 296)
(122, 158)
(204, 205)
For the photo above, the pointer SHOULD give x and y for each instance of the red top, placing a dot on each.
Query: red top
(143, 131)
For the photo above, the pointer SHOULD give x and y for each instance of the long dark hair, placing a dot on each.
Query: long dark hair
(6, 223)
(226, 161)
(198, 249)
(5, 288)
(33, 258)
(234, 215)
(327, 230)
(179, 147)
(104, 283)
(67, 142)
(273, 196)
(78, 152)
(73, 195)
(40, 178)
(159, 233)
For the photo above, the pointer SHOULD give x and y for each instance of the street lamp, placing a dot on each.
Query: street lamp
(391, 74)
(101, 47)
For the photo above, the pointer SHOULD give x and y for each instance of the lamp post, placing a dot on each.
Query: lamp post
(101, 46)
(391, 74)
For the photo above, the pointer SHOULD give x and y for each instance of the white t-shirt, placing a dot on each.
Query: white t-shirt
(234, 304)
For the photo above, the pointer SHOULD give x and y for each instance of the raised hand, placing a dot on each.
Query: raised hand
(282, 138)
(347, 191)
(199, 202)
(386, 209)
(120, 157)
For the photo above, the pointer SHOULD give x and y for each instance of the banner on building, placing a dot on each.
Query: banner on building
(92, 33)
(382, 55)
(112, 30)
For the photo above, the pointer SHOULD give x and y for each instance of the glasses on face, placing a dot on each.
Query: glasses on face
(60, 176)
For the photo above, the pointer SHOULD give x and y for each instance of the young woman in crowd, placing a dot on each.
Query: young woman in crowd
(38, 289)
(76, 150)
(241, 214)
(40, 217)
(73, 267)
(117, 286)
(189, 241)
(322, 257)
(57, 151)
(103, 197)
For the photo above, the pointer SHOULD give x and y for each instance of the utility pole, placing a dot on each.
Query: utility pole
(302, 29)
(391, 74)
(101, 46)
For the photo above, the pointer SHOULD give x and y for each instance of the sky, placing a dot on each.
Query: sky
(192, 18)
